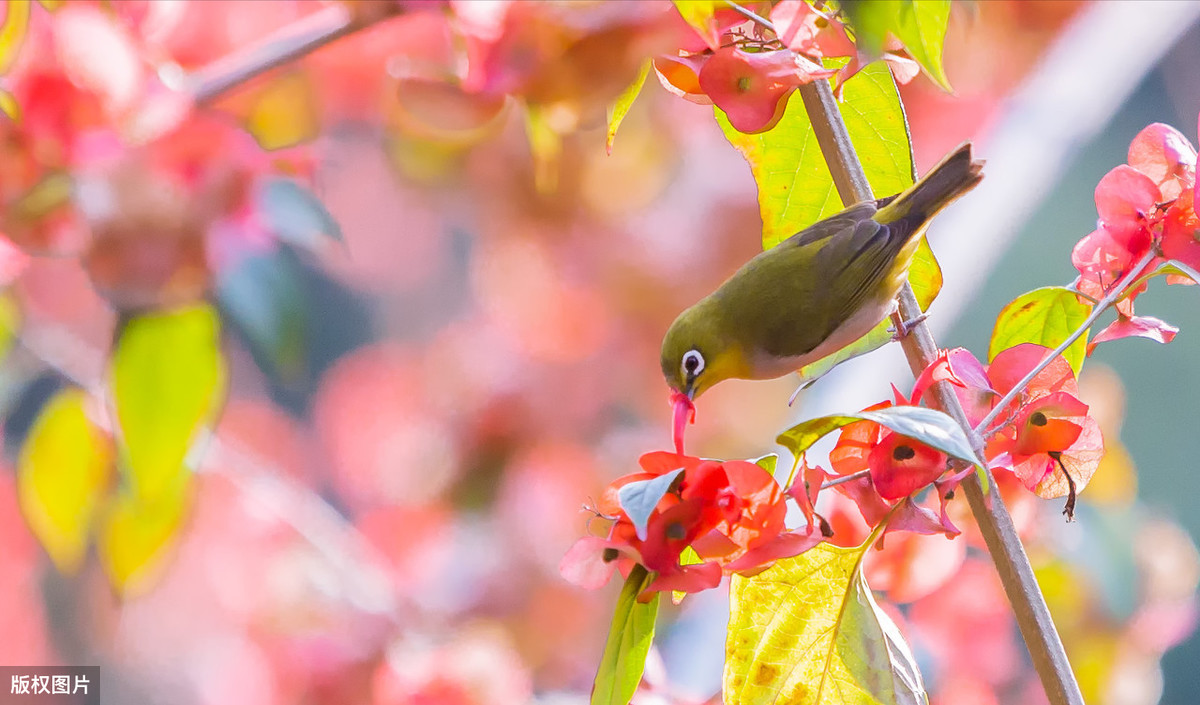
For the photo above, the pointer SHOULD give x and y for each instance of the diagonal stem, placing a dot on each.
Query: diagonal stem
(1097, 310)
(1016, 574)
(278, 48)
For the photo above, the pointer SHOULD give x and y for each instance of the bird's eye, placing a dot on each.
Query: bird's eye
(693, 363)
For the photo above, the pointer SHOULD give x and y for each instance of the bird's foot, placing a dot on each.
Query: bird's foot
(901, 328)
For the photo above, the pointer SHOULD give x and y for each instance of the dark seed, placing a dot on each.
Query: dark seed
(1038, 419)
(902, 453)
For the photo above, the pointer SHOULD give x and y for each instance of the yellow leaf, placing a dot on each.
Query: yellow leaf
(620, 108)
(701, 15)
(135, 534)
(168, 379)
(9, 106)
(545, 144)
(807, 631)
(64, 466)
(10, 322)
(284, 114)
(12, 32)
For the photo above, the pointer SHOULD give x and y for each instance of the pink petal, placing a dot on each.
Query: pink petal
(1137, 327)
(681, 75)
(796, 24)
(862, 492)
(1012, 364)
(1124, 195)
(752, 89)
(782, 546)
(584, 563)
(903, 68)
(1161, 152)
(917, 519)
(690, 578)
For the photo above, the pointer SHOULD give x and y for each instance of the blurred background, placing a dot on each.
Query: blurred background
(417, 412)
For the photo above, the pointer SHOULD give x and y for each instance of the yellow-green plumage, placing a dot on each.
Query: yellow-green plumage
(814, 293)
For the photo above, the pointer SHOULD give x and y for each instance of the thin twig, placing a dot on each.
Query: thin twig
(844, 479)
(276, 49)
(752, 16)
(1103, 305)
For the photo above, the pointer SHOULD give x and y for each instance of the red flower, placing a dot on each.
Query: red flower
(1051, 444)
(1126, 201)
(1135, 326)
(1164, 155)
(967, 377)
(1181, 230)
(753, 88)
(1149, 201)
(900, 465)
(730, 513)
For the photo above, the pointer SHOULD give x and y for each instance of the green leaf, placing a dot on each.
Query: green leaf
(919, 24)
(929, 426)
(62, 474)
(264, 296)
(168, 378)
(628, 643)
(639, 498)
(619, 109)
(1045, 316)
(808, 631)
(294, 214)
(799, 438)
(870, 21)
(795, 188)
(768, 462)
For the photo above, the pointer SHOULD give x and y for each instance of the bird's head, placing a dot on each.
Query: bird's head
(698, 352)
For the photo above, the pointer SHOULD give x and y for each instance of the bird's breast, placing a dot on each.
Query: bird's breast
(764, 365)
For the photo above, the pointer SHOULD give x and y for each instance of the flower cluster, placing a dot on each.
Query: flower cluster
(107, 163)
(750, 75)
(730, 514)
(1146, 206)
(1046, 438)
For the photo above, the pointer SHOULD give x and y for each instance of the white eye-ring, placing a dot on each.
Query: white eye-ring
(693, 364)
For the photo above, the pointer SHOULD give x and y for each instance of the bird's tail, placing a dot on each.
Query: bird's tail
(956, 174)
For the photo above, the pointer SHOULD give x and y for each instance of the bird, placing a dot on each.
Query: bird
(813, 293)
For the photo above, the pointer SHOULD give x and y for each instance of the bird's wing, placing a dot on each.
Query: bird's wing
(822, 277)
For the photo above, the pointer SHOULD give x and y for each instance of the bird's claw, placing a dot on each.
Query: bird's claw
(901, 328)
